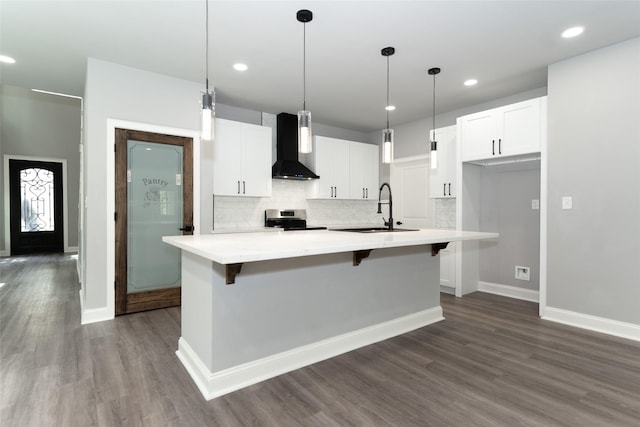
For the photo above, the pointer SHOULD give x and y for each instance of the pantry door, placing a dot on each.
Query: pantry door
(154, 198)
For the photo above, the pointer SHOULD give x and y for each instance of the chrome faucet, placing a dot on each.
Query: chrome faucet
(390, 203)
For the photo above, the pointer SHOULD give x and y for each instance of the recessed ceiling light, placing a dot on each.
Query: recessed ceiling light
(240, 67)
(390, 107)
(572, 32)
(7, 59)
(470, 82)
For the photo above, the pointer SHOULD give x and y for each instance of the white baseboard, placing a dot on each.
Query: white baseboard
(4, 253)
(598, 324)
(71, 249)
(94, 315)
(509, 291)
(215, 384)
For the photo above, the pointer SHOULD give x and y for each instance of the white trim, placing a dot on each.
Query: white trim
(65, 195)
(93, 315)
(593, 323)
(544, 208)
(215, 384)
(509, 291)
(4, 253)
(112, 124)
(71, 249)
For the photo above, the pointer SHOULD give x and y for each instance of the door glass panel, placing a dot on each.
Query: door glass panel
(36, 200)
(154, 209)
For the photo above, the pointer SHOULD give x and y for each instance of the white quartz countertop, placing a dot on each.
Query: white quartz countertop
(267, 245)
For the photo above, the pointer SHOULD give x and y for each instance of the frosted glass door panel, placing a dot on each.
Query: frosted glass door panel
(154, 209)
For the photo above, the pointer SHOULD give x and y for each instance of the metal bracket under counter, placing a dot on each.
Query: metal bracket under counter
(231, 270)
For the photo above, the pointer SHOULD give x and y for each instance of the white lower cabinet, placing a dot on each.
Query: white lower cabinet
(241, 159)
(448, 266)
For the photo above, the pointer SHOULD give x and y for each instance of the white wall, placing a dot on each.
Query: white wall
(594, 156)
(117, 92)
(44, 126)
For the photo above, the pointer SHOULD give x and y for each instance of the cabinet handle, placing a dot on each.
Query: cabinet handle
(336, 191)
(331, 191)
(493, 147)
(238, 187)
(363, 192)
(367, 193)
(449, 188)
(500, 146)
(244, 187)
(444, 189)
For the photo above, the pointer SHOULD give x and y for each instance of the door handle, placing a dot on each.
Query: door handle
(187, 228)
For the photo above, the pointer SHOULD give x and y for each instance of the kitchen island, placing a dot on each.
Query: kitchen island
(256, 305)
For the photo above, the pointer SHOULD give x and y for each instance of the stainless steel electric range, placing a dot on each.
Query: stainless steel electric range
(288, 219)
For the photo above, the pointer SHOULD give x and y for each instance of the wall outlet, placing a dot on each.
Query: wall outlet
(567, 202)
(535, 204)
(522, 273)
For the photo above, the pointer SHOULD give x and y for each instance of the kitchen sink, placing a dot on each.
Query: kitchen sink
(373, 229)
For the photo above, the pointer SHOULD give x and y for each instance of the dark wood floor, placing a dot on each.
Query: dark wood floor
(492, 362)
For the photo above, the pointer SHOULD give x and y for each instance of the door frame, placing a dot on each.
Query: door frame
(157, 298)
(65, 195)
(108, 312)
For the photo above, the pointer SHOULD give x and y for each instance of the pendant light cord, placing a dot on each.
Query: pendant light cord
(206, 44)
(434, 107)
(304, 66)
(387, 106)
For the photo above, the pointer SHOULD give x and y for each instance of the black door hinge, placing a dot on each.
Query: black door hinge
(115, 216)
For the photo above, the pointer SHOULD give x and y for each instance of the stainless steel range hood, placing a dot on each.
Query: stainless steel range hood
(287, 165)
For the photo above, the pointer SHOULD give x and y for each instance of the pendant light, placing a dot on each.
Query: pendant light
(387, 134)
(208, 112)
(434, 143)
(304, 116)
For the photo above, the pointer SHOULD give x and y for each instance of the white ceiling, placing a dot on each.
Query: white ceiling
(506, 45)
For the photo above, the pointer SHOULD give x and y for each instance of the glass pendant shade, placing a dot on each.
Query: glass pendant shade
(304, 132)
(207, 116)
(434, 154)
(387, 145)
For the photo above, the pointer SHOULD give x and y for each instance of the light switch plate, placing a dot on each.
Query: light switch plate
(535, 204)
(567, 202)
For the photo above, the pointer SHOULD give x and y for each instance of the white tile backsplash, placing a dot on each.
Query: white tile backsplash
(445, 213)
(236, 213)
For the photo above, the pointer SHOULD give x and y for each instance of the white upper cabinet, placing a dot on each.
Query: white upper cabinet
(364, 170)
(511, 130)
(241, 159)
(330, 161)
(442, 180)
(347, 169)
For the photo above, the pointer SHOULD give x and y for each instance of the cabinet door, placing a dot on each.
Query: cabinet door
(227, 158)
(520, 126)
(340, 170)
(364, 170)
(256, 176)
(357, 167)
(448, 266)
(442, 179)
(371, 172)
(322, 165)
(478, 135)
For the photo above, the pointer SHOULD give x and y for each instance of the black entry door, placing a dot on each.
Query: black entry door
(36, 217)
